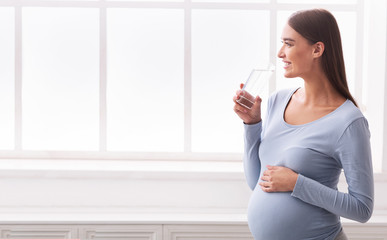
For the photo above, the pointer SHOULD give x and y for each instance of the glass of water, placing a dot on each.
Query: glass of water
(255, 84)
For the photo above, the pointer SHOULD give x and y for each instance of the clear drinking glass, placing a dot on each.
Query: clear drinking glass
(255, 84)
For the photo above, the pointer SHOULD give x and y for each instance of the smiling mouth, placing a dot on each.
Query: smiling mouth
(287, 64)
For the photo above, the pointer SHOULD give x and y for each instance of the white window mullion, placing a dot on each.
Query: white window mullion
(18, 77)
(384, 163)
(359, 54)
(273, 46)
(187, 76)
(102, 79)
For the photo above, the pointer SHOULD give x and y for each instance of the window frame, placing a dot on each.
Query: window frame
(384, 154)
(187, 5)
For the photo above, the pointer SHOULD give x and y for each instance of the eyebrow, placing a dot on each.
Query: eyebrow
(288, 39)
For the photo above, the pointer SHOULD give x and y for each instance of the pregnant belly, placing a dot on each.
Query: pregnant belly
(281, 216)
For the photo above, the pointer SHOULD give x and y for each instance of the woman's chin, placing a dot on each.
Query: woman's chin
(289, 75)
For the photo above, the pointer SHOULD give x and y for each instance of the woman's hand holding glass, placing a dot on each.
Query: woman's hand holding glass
(249, 116)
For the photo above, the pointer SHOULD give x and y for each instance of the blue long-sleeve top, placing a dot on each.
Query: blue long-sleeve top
(318, 151)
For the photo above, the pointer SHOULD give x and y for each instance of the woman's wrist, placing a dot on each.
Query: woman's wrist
(252, 122)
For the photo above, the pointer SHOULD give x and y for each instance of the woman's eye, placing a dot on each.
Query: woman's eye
(286, 43)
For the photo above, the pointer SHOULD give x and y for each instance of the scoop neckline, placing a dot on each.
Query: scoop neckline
(308, 123)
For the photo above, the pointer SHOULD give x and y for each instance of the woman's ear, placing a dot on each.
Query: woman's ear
(318, 49)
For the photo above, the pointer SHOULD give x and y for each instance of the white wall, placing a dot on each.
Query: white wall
(375, 39)
(127, 191)
(132, 199)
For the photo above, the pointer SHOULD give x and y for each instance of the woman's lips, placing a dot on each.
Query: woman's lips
(286, 64)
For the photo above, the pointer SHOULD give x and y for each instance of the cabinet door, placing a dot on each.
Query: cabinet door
(356, 231)
(33, 231)
(207, 232)
(121, 232)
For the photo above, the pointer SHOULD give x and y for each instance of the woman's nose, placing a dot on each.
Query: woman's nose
(280, 54)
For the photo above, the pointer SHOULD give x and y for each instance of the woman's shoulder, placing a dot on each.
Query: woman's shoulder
(343, 118)
(349, 124)
(347, 113)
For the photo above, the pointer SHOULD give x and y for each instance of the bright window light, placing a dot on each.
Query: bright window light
(145, 82)
(226, 46)
(7, 75)
(60, 78)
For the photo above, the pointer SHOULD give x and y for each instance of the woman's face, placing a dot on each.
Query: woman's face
(296, 53)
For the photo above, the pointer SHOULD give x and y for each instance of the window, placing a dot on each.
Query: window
(60, 79)
(153, 79)
(7, 70)
(145, 87)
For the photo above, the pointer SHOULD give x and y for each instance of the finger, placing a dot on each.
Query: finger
(235, 98)
(239, 109)
(238, 93)
(269, 167)
(241, 85)
(257, 103)
(266, 173)
(268, 190)
(265, 187)
(242, 108)
(265, 178)
(265, 184)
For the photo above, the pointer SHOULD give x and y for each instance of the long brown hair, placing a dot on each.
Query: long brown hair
(319, 25)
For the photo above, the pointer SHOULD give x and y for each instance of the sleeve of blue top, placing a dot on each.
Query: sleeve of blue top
(354, 152)
(251, 162)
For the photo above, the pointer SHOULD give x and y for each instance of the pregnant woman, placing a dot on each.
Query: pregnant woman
(293, 159)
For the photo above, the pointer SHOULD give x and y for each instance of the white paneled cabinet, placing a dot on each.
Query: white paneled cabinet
(33, 231)
(128, 232)
(207, 232)
(119, 232)
(187, 231)
(377, 231)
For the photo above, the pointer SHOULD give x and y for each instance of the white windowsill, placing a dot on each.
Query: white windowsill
(119, 168)
(377, 219)
(122, 169)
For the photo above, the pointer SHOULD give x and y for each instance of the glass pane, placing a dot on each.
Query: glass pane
(145, 80)
(60, 78)
(226, 46)
(347, 25)
(7, 76)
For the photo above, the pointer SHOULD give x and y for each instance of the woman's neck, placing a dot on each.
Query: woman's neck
(318, 91)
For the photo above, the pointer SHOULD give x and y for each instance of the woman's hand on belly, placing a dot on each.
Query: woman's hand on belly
(278, 179)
